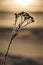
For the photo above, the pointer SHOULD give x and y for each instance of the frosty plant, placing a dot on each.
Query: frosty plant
(26, 19)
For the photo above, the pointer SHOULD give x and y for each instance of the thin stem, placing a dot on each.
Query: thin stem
(15, 19)
(21, 18)
(9, 47)
(22, 23)
(27, 24)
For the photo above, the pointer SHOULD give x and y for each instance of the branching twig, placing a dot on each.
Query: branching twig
(26, 17)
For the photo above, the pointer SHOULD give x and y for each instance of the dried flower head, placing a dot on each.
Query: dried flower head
(26, 19)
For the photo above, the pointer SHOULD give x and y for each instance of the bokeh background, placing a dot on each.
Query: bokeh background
(27, 47)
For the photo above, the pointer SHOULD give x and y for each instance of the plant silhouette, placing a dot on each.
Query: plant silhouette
(25, 17)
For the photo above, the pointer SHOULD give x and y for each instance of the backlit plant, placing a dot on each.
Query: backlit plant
(26, 19)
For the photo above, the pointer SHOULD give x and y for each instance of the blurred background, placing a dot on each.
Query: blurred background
(27, 47)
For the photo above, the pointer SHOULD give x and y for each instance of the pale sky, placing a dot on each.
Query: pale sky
(21, 5)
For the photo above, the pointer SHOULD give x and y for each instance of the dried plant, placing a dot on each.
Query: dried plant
(25, 17)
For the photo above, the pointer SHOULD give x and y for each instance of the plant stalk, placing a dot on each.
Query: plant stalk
(9, 48)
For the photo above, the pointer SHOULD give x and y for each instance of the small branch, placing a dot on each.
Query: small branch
(17, 29)
(26, 24)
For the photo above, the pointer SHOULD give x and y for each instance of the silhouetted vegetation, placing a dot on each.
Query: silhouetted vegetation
(27, 18)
